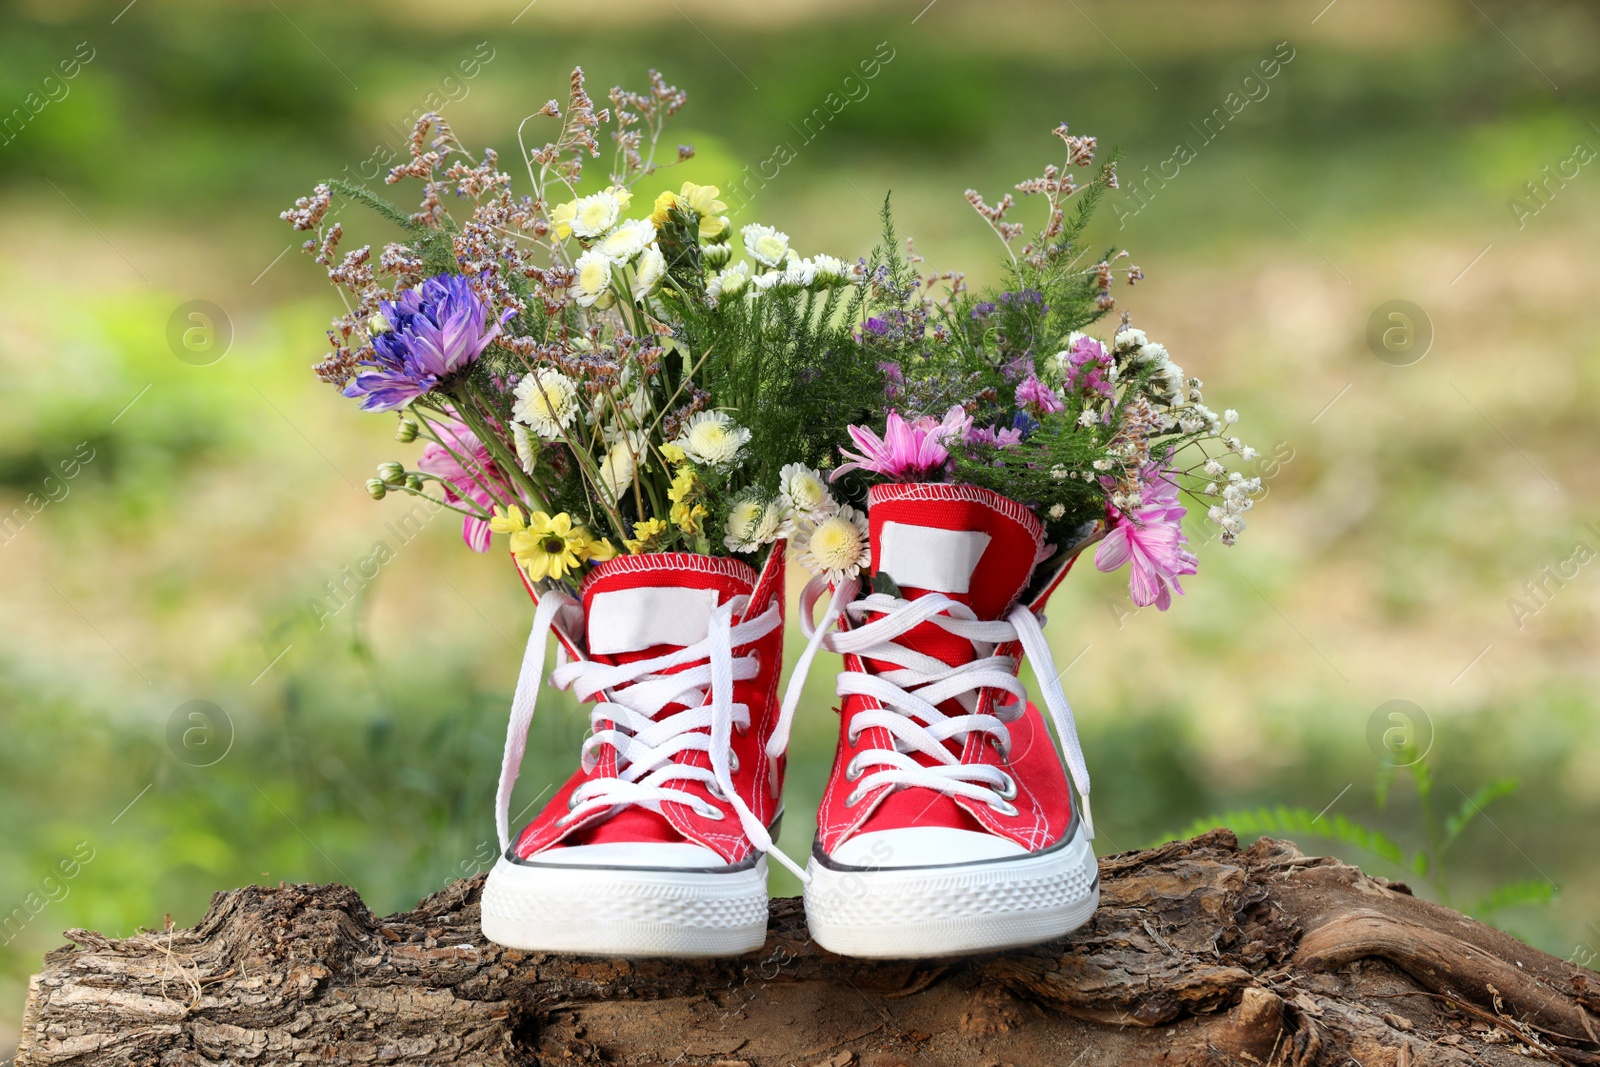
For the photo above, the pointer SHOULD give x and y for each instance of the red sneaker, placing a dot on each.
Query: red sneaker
(655, 846)
(948, 824)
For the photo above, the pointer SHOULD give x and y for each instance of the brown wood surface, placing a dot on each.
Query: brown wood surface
(1200, 954)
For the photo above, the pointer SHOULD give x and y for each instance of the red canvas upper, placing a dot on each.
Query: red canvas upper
(1002, 566)
(758, 779)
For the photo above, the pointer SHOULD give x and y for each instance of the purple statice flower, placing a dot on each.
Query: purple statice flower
(877, 326)
(994, 436)
(1034, 395)
(982, 310)
(1026, 296)
(1086, 368)
(435, 330)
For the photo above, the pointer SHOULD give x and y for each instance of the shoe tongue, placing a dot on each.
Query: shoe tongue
(638, 607)
(971, 544)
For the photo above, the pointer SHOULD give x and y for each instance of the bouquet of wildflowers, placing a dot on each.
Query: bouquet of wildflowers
(1008, 390)
(588, 371)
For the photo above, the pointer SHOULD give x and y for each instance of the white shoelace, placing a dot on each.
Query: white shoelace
(647, 749)
(910, 694)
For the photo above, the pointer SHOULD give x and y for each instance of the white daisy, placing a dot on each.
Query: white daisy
(595, 214)
(548, 402)
(593, 283)
(766, 246)
(616, 470)
(648, 272)
(729, 282)
(628, 240)
(712, 438)
(838, 546)
(753, 522)
(804, 492)
(527, 451)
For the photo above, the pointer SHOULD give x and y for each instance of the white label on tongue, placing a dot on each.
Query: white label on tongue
(927, 557)
(629, 620)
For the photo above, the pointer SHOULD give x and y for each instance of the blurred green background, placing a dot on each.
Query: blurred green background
(213, 500)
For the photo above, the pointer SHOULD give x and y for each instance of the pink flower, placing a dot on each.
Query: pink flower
(1151, 540)
(465, 478)
(907, 451)
(1038, 397)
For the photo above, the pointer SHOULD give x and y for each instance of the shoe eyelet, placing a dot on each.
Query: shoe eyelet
(712, 813)
(733, 762)
(572, 800)
(853, 771)
(716, 791)
(755, 654)
(1005, 808)
(1009, 790)
(741, 730)
(853, 799)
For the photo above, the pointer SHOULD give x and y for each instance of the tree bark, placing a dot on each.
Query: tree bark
(1200, 954)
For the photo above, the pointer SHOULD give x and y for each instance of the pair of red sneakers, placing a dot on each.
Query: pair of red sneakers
(947, 825)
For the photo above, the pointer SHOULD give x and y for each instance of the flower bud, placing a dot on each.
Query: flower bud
(376, 489)
(378, 324)
(716, 256)
(406, 432)
(414, 482)
(391, 472)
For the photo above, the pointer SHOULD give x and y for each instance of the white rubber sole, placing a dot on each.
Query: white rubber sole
(618, 911)
(919, 912)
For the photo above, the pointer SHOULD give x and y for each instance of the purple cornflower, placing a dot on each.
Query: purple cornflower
(435, 330)
(1034, 395)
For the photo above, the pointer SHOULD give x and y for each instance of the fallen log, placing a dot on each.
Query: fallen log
(1201, 953)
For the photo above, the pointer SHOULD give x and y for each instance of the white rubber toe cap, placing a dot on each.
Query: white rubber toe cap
(674, 855)
(923, 846)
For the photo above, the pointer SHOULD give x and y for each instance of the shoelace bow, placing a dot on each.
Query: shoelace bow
(909, 695)
(630, 696)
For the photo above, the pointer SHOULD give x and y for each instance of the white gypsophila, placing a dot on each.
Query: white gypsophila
(837, 546)
(648, 272)
(592, 283)
(712, 438)
(1248, 453)
(1057, 511)
(753, 522)
(1191, 425)
(1210, 489)
(728, 282)
(1214, 467)
(548, 402)
(628, 240)
(804, 492)
(1153, 353)
(527, 454)
(1129, 338)
(596, 213)
(1230, 416)
(1088, 418)
(766, 246)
